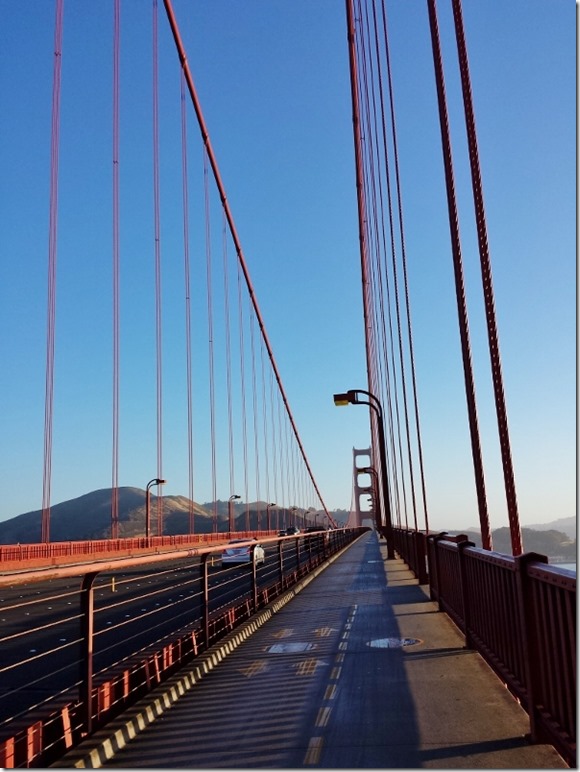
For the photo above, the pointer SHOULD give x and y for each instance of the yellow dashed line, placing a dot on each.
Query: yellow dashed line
(314, 751)
(330, 692)
(323, 716)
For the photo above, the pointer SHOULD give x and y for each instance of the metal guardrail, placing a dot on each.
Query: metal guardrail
(15, 556)
(41, 735)
(519, 613)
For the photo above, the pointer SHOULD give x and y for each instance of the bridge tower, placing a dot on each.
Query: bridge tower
(363, 515)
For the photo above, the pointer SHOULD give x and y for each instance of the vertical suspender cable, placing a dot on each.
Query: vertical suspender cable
(255, 418)
(390, 376)
(404, 264)
(157, 265)
(186, 266)
(265, 422)
(210, 338)
(459, 283)
(240, 255)
(362, 213)
(228, 361)
(243, 395)
(500, 406)
(51, 300)
(115, 459)
(395, 285)
(274, 442)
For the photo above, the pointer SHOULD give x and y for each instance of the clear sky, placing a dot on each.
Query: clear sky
(274, 86)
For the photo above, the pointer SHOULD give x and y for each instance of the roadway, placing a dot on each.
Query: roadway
(359, 670)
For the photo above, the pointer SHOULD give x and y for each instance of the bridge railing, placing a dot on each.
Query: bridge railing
(520, 614)
(80, 662)
(52, 553)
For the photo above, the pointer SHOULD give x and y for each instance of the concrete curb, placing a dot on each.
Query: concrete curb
(94, 752)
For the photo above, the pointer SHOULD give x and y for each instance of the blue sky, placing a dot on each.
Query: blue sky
(274, 87)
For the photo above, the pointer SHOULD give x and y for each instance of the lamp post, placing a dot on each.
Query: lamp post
(351, 397)
(293, 515)
(154, 481)
(231, 500)
(268, 506)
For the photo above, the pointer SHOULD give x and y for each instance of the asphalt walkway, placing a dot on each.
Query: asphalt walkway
(357, 670)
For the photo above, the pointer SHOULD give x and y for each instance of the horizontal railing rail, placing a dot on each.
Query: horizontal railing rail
(51, 553)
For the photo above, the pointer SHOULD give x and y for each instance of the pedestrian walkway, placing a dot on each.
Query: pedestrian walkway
(358, 670)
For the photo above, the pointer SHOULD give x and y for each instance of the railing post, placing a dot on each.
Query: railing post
(205, 595)
(421, 556)
(86, 659)
(281, 564)
(254, 577)
(465, 594)
(529, 638)
(436, 539)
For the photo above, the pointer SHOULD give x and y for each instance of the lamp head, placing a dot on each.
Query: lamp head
(341, 399)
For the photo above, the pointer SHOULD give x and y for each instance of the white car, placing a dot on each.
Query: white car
(243, 555)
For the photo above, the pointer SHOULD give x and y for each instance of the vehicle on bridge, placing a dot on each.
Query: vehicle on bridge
(243, 555)
(292, 530)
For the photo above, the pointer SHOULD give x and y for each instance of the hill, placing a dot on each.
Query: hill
(89, 517)
(556, 545)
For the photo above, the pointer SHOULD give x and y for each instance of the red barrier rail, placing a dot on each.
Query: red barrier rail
(520, 614)
(19, 556)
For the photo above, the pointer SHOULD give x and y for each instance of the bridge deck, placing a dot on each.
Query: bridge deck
(325, 683)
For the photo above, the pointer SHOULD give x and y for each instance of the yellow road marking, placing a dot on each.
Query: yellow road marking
(314, 751)
(254, 668)
(307, 667)
(284, 633)
(330, 692)
(322, 717)
(335, 674)
(324, 632)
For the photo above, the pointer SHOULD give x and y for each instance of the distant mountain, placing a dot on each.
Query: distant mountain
(89, 517)
(556, 545)
(567, 525)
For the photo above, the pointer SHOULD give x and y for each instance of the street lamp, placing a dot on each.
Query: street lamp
(231, 511)
(268, 514)
(155, 481)
(293, 515)
(351, 397)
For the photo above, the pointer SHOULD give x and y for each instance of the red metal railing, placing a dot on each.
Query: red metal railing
(18, 556)
(520, 614)
(39, 736)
